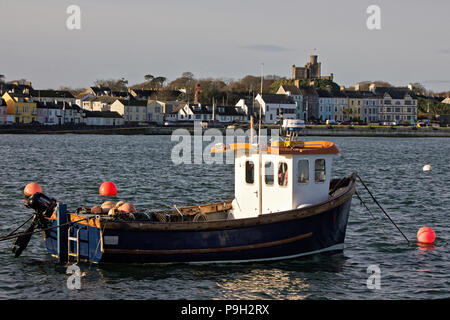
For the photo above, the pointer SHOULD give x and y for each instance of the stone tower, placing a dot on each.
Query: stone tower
(311, 70)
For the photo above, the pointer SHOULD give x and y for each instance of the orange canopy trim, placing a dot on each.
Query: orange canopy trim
(304, 148)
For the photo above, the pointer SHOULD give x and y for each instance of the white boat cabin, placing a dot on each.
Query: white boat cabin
(285, 176)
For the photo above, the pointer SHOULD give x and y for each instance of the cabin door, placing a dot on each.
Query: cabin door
(246, 187)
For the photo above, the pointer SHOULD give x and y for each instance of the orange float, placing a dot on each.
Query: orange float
(31, 189)
(108, 189)
(426, 235)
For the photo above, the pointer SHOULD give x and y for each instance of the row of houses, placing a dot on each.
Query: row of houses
(16, 108)
(102, 106)
(378, 104)
(21, 109)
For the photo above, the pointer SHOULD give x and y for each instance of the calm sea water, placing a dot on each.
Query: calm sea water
(70, 168)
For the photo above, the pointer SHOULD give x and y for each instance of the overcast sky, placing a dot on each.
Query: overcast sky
(228, 39)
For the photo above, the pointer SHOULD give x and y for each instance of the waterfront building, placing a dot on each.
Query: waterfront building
(132, 111)
(326, 105)
(72, 113)
(355, 107)
(58, 113)
(42, 112)
(103, 103)
(21, 106)
(87, 102)
(155, 111)
(297, 96)
(96, 103)
(227, 114)
(190, 112)
(306, 99)
(275, 105)
(53, 113)
(17, 86)
(340, 102)
(398, 105)
(3, 111)
(372, 103)
(310, 103)
(53, 96)
(103, 118)
(81, 98)
(247, 105)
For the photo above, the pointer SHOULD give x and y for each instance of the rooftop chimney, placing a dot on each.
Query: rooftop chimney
(197, 93)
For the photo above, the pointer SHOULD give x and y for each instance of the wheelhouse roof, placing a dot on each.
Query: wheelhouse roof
(303, 148)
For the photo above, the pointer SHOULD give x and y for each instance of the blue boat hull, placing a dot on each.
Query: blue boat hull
(283, 235)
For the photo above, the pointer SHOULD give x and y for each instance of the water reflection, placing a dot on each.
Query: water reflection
(426, 247)
(264, 284)
(274, 280)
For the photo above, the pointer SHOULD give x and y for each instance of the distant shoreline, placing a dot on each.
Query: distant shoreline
(336, 131)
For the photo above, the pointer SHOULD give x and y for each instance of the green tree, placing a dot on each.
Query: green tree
(323, 84)
(159, 81)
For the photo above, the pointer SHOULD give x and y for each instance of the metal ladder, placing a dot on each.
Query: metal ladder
(77, 240)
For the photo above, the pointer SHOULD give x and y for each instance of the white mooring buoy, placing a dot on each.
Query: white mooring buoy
(426, 167)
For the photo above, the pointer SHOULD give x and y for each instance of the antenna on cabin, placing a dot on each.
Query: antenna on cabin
(260, 105)
(213, 112)
(259, 147)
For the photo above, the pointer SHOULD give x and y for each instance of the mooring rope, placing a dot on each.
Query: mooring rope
(98, 243)
(14, 231)
(16, 235)
(371, 214)
(379, 205)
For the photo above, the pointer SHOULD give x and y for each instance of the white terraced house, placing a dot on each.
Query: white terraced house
(398, 105)
(273, 105)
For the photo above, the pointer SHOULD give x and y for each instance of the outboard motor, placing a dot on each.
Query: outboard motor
(43, 207)
(41, 204)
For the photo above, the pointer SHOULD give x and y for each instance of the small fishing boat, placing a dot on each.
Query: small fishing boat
(285, 206)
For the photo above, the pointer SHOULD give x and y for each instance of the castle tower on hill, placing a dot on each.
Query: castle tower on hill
(311, 70)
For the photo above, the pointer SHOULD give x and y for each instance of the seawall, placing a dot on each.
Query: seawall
(347, 131)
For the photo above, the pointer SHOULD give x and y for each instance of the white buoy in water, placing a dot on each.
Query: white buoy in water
(426, 167)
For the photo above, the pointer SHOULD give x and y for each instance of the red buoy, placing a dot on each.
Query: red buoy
(426, 235)
(108, 189)
(31, 189)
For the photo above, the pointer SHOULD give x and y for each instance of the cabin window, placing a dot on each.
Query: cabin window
(249, 172)
(303, 171)
(282, 174)
(268, 173)
(319, 170)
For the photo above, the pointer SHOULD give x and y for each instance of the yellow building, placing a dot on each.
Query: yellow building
(355, 108)
(21, 106)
